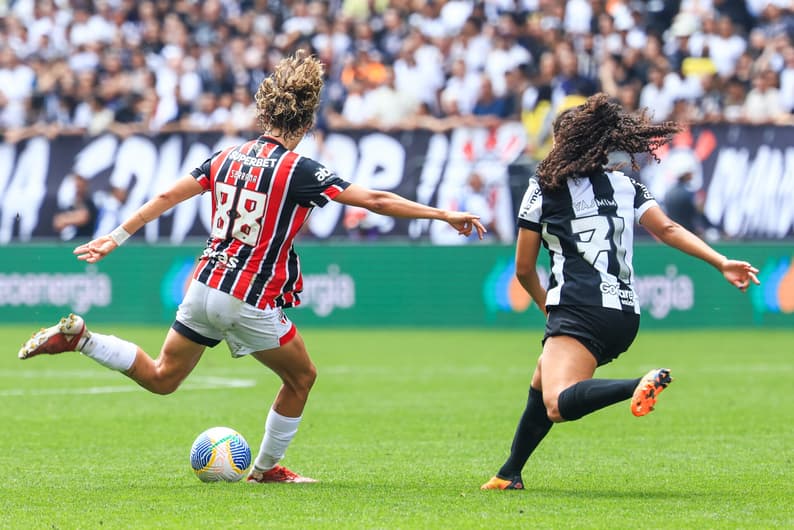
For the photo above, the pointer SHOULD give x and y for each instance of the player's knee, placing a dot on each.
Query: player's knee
(308, 377)
(165, 387)
(552, 408)
(553, 414)
(165, 384)
(301, 381)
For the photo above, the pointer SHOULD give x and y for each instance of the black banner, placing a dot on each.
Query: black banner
(36, 180)
(744, 174)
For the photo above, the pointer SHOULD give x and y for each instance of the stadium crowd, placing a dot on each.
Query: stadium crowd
(84, 67)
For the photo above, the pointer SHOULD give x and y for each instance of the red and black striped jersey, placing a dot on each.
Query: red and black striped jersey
(262, 193)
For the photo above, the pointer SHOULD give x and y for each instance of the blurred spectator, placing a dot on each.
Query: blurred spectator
(681, 203)
(354, 111)
(578, 16)
(762, 104)
(217, 78)
(363, 68)
(516, 84)
(472, 44)
(505, 55)
(710, 103)
(628, 96)
(390, 38)
(736, 11)
(488, 104)
(588, 56)
(208, 114)
(569, 81)
(16, 88)
(475, 198)
(462, 87)
(774, 21)
(388, 107)
(744, 70)
(705, 31)
(725, 48)
(540, 87)
(656, 95)
(733, 100)
(77, 218)
(243, 110)
(419, 70)
(331, 40)
(93, 115)
(696, 8)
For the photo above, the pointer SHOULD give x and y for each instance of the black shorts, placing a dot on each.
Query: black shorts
(605, 332)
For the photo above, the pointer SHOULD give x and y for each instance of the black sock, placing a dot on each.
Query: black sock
(532, 428)
(591, 395)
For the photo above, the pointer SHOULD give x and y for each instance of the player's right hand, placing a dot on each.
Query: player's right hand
(739, 273)
(95, 250)
(465, 222)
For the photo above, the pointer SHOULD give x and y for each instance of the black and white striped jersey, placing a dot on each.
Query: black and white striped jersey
(587, 225)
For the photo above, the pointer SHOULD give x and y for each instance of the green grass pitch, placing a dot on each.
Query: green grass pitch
(402, 428)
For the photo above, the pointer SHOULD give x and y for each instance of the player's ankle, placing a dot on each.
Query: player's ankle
(83, 340)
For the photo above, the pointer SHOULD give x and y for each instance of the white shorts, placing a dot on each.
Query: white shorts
(207, 316)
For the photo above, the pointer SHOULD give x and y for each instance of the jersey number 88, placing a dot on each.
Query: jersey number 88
(238, 213)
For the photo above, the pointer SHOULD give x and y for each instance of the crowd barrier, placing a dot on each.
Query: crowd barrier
(370, 285)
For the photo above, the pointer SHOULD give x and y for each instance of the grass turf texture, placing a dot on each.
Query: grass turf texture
(402, 428)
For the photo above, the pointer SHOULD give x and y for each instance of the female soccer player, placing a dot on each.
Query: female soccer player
(262, 193)
(584, 214)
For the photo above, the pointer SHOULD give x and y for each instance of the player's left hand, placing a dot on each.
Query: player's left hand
(739, 274)
(465, 222)
(95, 250)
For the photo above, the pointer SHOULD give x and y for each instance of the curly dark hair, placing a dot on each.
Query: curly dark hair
(287, 99)
(584, 136)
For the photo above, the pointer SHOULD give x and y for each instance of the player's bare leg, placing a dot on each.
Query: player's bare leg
(163, 375)
(297, 372)
(178, 356)
(565, 362)
(291, 362)
(570, 392)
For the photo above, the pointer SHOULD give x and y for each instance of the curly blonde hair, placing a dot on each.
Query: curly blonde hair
(288, 98)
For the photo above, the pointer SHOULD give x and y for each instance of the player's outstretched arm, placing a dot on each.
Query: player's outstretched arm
(393, 205)
(100, 247)
(738, 273)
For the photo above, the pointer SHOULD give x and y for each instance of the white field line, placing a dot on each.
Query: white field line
(60, 374)
(194, 383)
(98, 373)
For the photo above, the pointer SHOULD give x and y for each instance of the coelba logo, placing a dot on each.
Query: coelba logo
(502, 291)
(776, 292)
(175, 281)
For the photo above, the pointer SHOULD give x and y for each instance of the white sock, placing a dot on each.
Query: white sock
(110, 351)
(279, 432)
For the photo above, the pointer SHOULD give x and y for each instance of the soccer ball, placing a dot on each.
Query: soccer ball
(220, 453)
